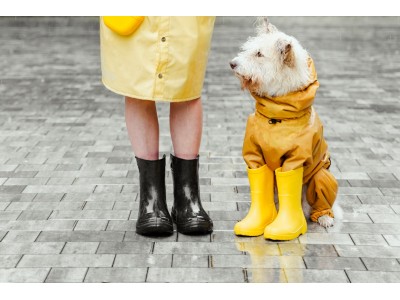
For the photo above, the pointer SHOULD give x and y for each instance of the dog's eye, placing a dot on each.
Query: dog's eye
(259, 54)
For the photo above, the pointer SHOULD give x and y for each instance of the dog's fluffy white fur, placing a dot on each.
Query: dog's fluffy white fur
(272, 63)
(275, 64)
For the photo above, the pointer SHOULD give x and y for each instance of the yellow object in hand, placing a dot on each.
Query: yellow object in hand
(123, 25)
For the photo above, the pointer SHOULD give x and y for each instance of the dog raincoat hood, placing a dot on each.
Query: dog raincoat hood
(292, 105)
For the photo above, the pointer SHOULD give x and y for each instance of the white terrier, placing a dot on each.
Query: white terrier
(280, 75)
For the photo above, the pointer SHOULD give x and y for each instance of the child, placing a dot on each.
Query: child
(164, 59)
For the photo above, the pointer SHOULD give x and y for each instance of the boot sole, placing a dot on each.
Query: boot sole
(285, 237)
(249, 233)
(193, 226)
(155, 227)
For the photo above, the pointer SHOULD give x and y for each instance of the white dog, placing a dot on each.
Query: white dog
(280, 75)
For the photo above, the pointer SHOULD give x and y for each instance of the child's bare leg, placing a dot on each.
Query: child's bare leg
(186, 123)
(142, 125)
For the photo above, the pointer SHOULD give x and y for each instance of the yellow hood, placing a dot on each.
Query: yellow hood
(292, 105)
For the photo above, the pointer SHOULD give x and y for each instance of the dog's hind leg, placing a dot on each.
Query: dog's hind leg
(321, 195)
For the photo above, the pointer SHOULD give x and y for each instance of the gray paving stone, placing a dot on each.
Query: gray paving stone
(334, 263)
(374, 277)
(116, 275)
(143, 260)
(3, 234)
(18, 206)
(385, 218)
(227, 215)
(26, 206)
(7, 168)
(93, 225)
(108, 189)
(60, 181)
(68, 174)
(368, 251)
(364, 228)
(392, 240)
(326, 238)
(195, 238)
(90, 214)
(43, 225)
(131, 236)
(367, 208)
(179, 275)
(355, 218)
(316, 276)
(23, 174)
(31, 248)
(26, 181)
(396, 208)
(4, 205)
(381, 264)
(22, 275)
(368, 239)
(49, 197)
(51, 189)
(80, 248)
(12, 189)
(117, 225)
(115, 173)
(80, 236)
(68, 167)
(255, 275)
(125, 247)
(204, 248)
(9, 215)
(224, 225)
(125, 205)
(67, 275)
(99, 205)
(9, 261)
(190, 261)
(21, 236)
(34, 215)
(257, 258)
(307, 249)
(67, 260)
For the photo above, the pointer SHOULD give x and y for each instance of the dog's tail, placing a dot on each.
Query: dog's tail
(337, 211)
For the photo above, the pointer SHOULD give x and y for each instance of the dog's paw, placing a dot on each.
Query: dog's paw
(326, 221)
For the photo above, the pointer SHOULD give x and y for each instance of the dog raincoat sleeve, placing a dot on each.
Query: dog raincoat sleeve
(164, 59)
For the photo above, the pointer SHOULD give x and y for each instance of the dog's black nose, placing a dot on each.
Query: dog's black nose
(233, 65)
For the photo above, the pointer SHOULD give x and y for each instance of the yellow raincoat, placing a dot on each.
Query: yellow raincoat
(164, 59)
(286, 132)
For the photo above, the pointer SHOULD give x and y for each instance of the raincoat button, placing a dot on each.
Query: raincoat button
(163, 39)
(160, 75)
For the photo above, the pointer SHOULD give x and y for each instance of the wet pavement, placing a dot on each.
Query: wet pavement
(69, 183)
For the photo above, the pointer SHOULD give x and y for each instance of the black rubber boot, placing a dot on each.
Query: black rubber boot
(153, 218)
(187, 212)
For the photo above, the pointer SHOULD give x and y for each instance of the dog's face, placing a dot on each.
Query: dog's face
(271, 63)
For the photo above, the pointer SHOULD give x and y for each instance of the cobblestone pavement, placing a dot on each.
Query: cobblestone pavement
(69, 184)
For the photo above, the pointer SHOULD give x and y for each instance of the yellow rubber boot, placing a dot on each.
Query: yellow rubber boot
(262, 209)
(290, 222)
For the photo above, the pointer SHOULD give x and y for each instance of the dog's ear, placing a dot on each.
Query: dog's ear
(286, 52)
(266, 26)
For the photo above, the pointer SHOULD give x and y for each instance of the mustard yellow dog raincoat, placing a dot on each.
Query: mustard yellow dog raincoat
(164, 59)
(286, 132)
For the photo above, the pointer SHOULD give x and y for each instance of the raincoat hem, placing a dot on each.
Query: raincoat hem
(147, 98)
